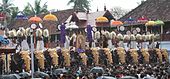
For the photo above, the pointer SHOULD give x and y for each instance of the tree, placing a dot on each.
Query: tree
(82, 5)
(14, 11)
(10, 11)
(142, 1)
(36, 9)
(118, 12)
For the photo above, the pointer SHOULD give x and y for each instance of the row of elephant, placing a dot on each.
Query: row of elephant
(52, 58)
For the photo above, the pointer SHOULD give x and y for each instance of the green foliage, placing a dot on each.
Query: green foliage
(82, 5)
(8, 8)
(36, 9)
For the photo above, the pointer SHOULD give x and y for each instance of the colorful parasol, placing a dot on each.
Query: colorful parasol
(150, 23)
(71, 25)
(21, 15)
(142, 19)
(159, 22)
(130, 20)
(50, 17)
(116, 23)
(35, 19)
(102, 19)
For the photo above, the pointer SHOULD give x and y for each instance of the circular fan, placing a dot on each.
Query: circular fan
(33, 26)
(122, 28)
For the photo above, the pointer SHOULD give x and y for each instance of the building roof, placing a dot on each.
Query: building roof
(93, 16)
(90, 18)
(61, 15)
(152, 9)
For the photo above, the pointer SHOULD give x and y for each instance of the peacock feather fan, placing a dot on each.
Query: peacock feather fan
(38, 32)
(97, 35)
(28, 32)
(46, 33)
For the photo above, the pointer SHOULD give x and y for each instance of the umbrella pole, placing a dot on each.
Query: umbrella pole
(146, 29)
(161, 36)
(32, 55)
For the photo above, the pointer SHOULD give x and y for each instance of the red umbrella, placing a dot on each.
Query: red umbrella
(142, 19)
(116, 23)
(35, 19)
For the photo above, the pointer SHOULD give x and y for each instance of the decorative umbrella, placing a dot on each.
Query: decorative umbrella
(35, 19)
(130, 20)
(21, 15)
(116, 23)
(142, 19)
(102, 19)
(72, 25)
(160, 23)
(97, 70)
(150, 23)
(50, 17)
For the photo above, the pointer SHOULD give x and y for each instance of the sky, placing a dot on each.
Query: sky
(62, 4)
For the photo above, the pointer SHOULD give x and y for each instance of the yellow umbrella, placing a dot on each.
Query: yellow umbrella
(50, 17)
(150, 23)
(102, 19)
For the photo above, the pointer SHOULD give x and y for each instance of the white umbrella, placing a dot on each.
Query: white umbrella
(72, 25)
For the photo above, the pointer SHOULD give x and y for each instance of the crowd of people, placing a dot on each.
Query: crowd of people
(140, 71)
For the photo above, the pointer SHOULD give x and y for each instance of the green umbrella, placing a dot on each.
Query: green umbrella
(160, 23)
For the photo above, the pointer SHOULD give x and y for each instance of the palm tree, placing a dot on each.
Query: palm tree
(36, 9)
(82, 5)
(7, 8)
(14, 12)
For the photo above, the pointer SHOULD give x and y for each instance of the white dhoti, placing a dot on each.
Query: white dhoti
(40, 45)
(24, 45)
(94, 43)
(121, 44)
(110, 46)
(144, 45)
(133, 44)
